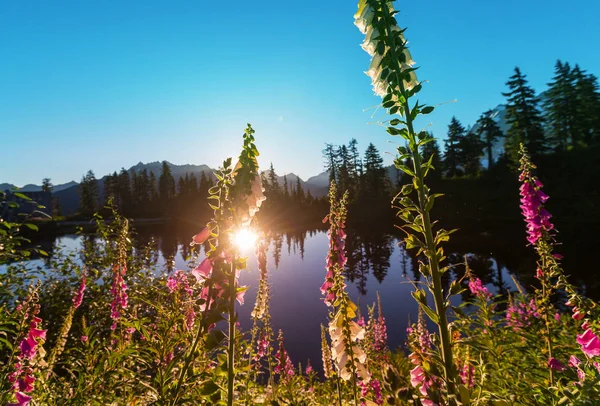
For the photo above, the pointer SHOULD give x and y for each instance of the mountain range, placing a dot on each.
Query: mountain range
(68, 193)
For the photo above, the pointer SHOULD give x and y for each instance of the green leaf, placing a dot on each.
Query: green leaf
(214, 339)
(427, 110)
(22, 196)
(208, 388)
(31, 226)
(430, 313)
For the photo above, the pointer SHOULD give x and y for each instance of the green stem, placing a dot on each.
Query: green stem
(546, 292)
(190, 356)
(436, 275)
(339, 390)
(231, 349)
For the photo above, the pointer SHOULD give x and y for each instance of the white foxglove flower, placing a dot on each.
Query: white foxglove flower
(364, 20)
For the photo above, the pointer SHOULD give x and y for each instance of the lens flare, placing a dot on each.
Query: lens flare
(244, 238)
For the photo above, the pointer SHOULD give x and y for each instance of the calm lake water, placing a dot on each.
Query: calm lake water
(376, 264)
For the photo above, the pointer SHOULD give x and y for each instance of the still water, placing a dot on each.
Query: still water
(377, 263)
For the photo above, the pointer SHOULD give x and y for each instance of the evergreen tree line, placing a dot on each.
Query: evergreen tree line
(366, 179)
(564, 117)
(287, 202)
(141, 195)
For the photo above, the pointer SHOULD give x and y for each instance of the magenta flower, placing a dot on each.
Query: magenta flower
(22, 399)
(202, 236)
(119, 292)
(590, 343)
(477, 289)
(536, 216)
(556, 365)
(84, 339)
(574, 361)
(203, 270)
(78, 297)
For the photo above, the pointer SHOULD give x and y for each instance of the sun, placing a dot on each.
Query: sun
(244, 238)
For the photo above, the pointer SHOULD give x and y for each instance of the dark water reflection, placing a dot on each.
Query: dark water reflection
(296, 259)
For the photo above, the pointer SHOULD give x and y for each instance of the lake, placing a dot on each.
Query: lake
(377, 263)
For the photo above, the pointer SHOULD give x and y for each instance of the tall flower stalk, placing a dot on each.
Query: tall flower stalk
(394, 78)
(349, 358)
(235, 199)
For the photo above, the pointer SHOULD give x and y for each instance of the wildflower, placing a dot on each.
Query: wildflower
(22, 399)
(284, 366)
(536, 216)
(119, 288)
(262, 347)
(84, 339)
(577, 315)
(590, 343)
(30, 349)
(78, 297)
(344, 335)
(201, 237)
(467, 374)
(203, 270)
(309, 369)
(556, 365)
(557, 316)
(574, 361)
(326, 355)
(477, 289)
(371, 23)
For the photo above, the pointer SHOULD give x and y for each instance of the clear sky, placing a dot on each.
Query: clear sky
(104, 85)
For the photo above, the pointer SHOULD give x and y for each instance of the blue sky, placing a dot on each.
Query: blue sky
(104, 85)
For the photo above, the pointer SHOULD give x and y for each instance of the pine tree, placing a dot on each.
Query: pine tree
(286, 192)
(88, 194)
(273, 189)
(47, 185)
(192, 185)
(299, 195)
(344, 168)
(356, 163)
(331, 162)
(124, 192)
(182, 185)
(561, 108)
(166, 185)
(471, 150)
(154, 198)
(587, 111)
(452, 148)
(489, 133)
(524, 118)
(376, 183)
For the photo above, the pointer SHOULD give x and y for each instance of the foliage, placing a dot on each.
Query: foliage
(106, 326)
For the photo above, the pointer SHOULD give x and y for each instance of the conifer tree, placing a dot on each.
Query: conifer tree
(587, 110)
(88, 194)
(299, 195)
(561, 108)
(124, 192)
(46, 185)
(376, 183)
(166, 185)
(489, 133)
(286, 192)
(471, 150)
(331, 162)
(452, 148)
(524, 117)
